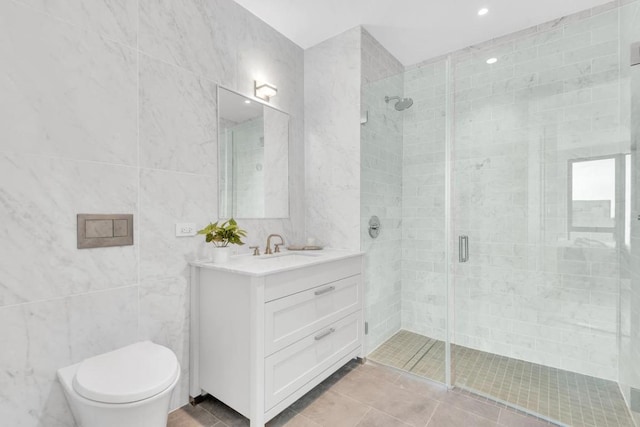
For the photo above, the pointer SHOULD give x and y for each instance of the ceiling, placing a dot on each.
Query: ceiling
(412, 30)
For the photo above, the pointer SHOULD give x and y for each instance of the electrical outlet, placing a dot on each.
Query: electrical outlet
(185, 229)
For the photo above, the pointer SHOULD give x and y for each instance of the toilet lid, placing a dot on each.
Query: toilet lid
(129, 374)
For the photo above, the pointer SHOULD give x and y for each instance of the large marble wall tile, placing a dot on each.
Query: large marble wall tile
(45, 336)
(377, 62)
(39, 200)
(70, 102)
(164, 319)
(164, 291)
(200, 36)
(264, 54)
(117, 19)
(83, 107)
(102, 321)
(332, 140)
(178, 119)
(165, 199)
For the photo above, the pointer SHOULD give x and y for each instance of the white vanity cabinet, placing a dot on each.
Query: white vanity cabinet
(266, 330)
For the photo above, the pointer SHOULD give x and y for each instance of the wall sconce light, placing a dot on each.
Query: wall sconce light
(264, 90)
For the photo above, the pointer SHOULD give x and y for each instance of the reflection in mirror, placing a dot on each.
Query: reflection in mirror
(253, 158)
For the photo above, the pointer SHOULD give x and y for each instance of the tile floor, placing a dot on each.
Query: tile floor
(572, 399)
(369, 395)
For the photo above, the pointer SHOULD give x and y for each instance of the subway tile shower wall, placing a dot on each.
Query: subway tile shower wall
(558, 92)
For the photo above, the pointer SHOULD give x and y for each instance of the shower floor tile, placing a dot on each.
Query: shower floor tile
(570, 398)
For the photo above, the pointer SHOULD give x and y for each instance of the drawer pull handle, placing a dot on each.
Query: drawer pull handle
(325, 290)
(324, 334)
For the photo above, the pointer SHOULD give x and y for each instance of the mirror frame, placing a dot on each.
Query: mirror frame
(218, 160)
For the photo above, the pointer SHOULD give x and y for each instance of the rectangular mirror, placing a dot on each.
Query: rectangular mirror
(253, 158)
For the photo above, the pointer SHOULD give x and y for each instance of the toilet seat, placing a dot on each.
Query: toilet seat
(129, 374)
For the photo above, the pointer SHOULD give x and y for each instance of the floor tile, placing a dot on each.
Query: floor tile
(227, 415)
(510, 418)
(335, 410)
(364, 388)
(469, 404)
(450, 416)
(375, 418)
(568, 397)
(406, 406)
(290, 418)
(191, 416)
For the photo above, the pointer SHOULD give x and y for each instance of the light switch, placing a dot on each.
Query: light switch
(186, 229)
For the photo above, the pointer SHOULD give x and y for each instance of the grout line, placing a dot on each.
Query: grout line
(63, 297)
(438, 403)
(364, 416)
(139, 172)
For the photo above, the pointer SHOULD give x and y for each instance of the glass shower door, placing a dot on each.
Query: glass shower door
(540, 169)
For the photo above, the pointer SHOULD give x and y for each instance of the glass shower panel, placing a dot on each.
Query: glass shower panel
(403, 181)
(381, 196)
(630, 290)
(538, 185)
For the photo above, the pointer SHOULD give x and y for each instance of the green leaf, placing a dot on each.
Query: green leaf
(223, 233)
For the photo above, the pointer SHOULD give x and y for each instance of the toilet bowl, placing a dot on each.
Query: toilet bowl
(128, 387)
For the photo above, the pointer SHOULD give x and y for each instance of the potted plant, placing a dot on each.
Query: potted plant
(223, 235)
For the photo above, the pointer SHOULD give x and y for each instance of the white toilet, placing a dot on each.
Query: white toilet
(128, 387)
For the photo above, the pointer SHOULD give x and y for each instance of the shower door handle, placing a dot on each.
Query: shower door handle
(463, 248)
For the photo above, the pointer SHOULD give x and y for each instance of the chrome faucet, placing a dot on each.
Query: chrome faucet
(268, 251)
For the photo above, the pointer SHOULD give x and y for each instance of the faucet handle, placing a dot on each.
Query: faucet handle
(256, 250)
(277, 249)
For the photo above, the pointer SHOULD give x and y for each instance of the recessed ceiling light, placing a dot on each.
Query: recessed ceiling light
(483, 11)
(492, 61)
(246, 101)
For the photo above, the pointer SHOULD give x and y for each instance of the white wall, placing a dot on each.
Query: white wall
(332, 140)
(110, 107)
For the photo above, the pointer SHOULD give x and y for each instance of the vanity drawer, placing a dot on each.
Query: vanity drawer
(289, 369)
(282, 284)
(291, 318)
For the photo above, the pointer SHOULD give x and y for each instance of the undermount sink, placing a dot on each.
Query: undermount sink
(289, 255)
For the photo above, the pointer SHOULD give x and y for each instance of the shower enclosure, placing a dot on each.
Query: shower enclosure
(507, 262)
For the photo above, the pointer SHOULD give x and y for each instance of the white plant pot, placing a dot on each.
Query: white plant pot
(220, 255)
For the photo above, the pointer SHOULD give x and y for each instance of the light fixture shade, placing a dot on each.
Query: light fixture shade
(265, 90)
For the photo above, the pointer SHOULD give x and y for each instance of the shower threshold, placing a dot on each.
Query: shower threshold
(561, 396)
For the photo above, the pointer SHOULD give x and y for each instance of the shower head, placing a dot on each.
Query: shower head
(402, 104)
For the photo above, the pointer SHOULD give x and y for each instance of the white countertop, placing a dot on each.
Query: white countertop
(263, 265)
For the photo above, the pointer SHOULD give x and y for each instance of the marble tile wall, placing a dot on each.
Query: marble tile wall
(381, 185)
(111, 107)
(332, 140)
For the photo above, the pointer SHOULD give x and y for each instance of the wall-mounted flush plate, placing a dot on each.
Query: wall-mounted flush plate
(186, 229)
(104, 230)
